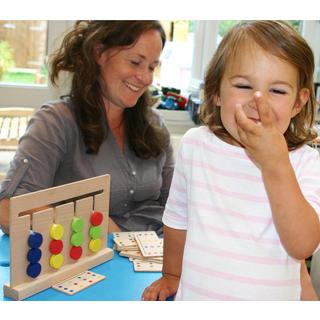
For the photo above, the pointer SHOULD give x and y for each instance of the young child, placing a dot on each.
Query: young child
(243, 208)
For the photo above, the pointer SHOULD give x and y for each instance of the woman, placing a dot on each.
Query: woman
(104, 125)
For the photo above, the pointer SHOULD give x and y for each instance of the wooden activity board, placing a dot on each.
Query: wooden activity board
(65, 238)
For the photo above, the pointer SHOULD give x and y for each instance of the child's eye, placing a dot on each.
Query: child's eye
(278, 91)
(243, 86)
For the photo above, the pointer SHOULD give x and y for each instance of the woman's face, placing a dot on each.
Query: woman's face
(127, 73)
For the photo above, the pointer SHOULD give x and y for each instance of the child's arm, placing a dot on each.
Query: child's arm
(173, 248)
(296, 221)
(307, 291)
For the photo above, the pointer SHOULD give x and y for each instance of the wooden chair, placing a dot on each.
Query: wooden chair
(13, 123)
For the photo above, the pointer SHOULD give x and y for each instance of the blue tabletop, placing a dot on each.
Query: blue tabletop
(122, 283)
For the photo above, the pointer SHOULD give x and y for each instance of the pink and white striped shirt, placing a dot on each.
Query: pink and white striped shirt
(232, 249)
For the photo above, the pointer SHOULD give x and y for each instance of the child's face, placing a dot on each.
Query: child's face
(254, 69)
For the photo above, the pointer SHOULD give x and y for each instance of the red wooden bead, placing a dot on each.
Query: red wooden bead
(96, 218)
(75, 252)
(55, 246)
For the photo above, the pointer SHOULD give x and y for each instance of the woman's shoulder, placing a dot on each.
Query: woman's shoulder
(156, 117)
(60, 111)
(62, 106)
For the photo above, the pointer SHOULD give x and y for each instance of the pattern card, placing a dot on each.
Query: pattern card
(146, 266)
(137, 255)
(125, 240)
(78, 283)
(149, 244)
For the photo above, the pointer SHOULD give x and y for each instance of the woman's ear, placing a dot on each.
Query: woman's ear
(98, 50)
(302, 99)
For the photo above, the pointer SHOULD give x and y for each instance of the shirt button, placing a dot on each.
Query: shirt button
(131, 191)
(25, 161)
(125, 205)
(133, 173)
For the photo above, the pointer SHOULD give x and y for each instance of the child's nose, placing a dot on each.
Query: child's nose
(252, 103)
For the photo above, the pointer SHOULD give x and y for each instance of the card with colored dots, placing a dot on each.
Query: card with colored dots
(149, 244)
(146, 266)
(78, 283)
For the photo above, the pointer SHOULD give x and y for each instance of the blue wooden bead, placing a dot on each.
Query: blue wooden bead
(35, 240)
(33, 269)
(34, 255)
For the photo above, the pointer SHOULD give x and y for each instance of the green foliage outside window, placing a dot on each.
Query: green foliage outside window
(6, 59)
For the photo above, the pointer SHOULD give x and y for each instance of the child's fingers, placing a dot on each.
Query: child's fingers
(242, 121)
(242, 136)
(265, 113)
(150, 294)
(164, 294)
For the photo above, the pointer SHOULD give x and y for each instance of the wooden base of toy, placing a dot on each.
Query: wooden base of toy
(59, 205)
(26, 290)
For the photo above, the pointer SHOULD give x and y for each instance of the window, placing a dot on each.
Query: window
(23, 51)
(176, 58)
(24, 48)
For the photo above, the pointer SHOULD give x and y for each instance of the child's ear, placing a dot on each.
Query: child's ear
(302, 99)
(216, 100)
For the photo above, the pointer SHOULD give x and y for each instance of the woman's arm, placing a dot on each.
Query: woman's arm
(4, 215)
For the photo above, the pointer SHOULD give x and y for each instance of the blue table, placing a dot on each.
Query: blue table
(122, 283)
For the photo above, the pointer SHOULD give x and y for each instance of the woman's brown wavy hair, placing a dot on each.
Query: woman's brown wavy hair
(77, 56)
(281, 40)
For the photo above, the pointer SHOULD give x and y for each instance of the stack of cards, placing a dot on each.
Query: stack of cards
(143, 248)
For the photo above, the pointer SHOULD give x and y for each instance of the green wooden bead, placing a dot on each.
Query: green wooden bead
(77, 224)
(77, 239)
(95, 232)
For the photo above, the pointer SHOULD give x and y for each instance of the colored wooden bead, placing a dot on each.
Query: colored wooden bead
(56, 261)
(35, 239)
(95, 245)
(77, 239)
(77, 224)
(55, 246)
(34, 255)
(75, 252)
(96, 218)
(56, 231)
(95, 232)
(33, 270)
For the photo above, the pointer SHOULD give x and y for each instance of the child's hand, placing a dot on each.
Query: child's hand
(262, 139)
(161, 289)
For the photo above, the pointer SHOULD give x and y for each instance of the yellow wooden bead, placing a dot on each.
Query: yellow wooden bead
(95, 245)
(56, 231)
(56, 261)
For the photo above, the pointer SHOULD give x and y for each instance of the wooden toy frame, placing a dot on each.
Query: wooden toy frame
(81, 197)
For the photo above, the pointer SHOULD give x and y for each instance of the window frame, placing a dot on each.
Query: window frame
(24, 95)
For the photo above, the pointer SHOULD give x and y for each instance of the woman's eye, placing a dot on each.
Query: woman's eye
(278, 91)
(136, 63)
